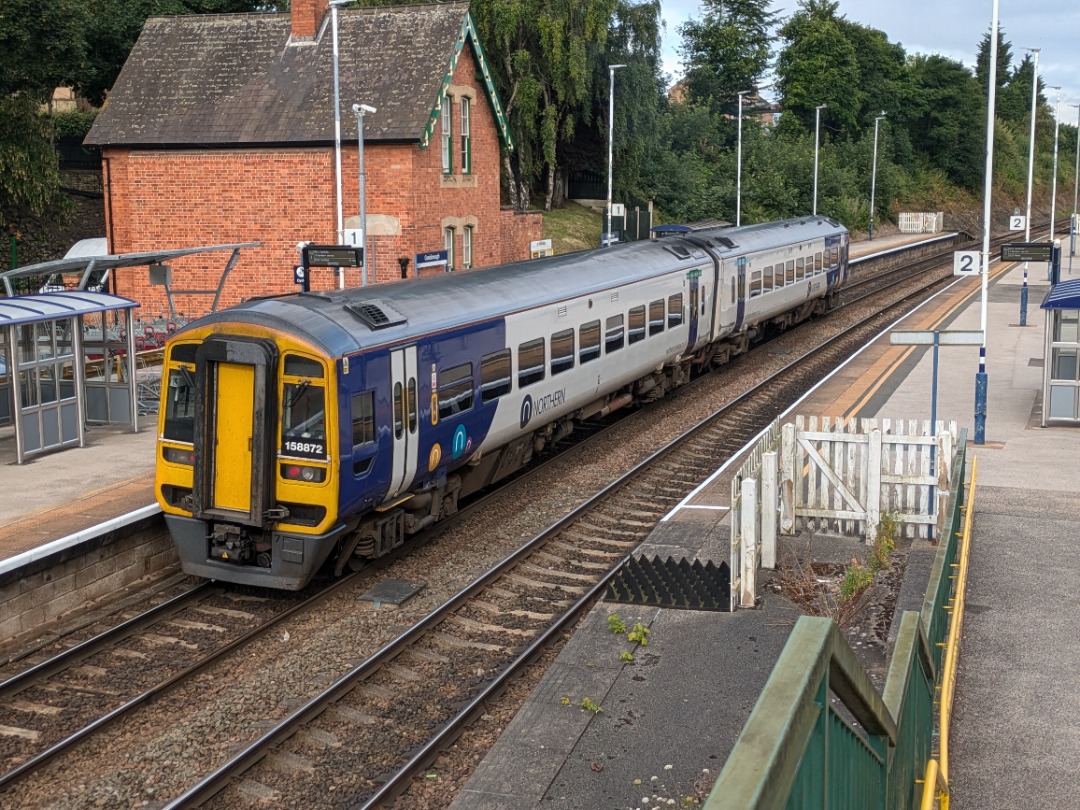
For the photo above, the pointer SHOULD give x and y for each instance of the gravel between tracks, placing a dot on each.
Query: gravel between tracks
(170, 744)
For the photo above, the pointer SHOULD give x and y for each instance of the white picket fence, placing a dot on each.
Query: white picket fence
(835, 477)
(922, 222)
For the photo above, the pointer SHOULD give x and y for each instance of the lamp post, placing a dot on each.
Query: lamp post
(981, 380)
(738, 166)
(817, 143)
(610, 146)
(1076, 188)
(1031, 174)
(1053, 185)
(873, 173)
(360, 109)
(337, 129)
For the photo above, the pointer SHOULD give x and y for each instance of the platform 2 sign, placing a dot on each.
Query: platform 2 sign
(966, 263)
(1028, 252)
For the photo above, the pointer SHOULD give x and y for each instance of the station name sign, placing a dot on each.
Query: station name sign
(333, 256)
(1028, 252)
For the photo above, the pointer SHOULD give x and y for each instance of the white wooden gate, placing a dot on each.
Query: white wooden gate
(837, 476)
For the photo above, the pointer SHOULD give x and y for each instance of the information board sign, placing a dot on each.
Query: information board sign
(1028, 252)
(333, 256)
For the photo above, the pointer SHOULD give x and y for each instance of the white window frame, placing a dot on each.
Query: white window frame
(447, 135)
(466, 247)
(466, 140)
(448, 243)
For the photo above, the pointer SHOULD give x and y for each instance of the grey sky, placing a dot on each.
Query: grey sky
(952, 28)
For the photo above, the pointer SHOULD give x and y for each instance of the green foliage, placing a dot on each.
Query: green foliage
(639, 634)
(29, 166)
(73, 123)
(588, 705)
(615, 624)
(857, 578)
(626, 657)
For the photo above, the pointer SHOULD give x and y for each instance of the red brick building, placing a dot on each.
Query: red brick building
(220, 129)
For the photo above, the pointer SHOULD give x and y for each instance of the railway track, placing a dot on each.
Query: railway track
(505, 620)
(367, 737)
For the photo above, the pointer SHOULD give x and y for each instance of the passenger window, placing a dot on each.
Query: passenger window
(755, 284)
(614, 336)
(562, 351)
(817, 263)
(674, 311)
(363, 418)
(494, 375)
(637, 324)
(656, 317)
(766, 279)
(732, 292)
(790, 268)
(399, 411)
(590, 341)
(455, 390)
(530, 362)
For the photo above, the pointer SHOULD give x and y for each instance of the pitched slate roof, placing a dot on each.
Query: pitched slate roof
(236, 79)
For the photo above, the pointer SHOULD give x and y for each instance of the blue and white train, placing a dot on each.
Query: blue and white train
(323, 429)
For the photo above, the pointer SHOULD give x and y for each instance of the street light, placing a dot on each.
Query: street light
(610, 146)
(738, 166)
(982, 382)
(1076, 188)
(873, 172)
(817, 143)
(1053, 185)
(360, 109)
(337, 129)
(1031, 174)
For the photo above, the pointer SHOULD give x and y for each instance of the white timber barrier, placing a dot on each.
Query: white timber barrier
(836, 476)
(922, 222)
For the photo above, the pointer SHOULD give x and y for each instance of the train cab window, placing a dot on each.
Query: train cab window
(530, 362)
(614, 334)
(637, 324)
(790, 272)
(180, 406)
(455, 390)
(674, 311)
(494, 375)
(296, 366)
(363, 418)
(755, 283)
(303, 419)
(656, 317)
(562, 351)
(589, 335)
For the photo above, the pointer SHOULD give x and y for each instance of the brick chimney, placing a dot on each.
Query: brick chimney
(306, 16)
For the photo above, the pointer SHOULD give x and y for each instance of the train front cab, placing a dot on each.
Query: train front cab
(245, 473)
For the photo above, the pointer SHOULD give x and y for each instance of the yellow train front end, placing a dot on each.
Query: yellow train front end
(246, 456)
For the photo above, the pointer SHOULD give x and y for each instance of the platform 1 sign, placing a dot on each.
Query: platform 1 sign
(966, 263)
(1028, 252)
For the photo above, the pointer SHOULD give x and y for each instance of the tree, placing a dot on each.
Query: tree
(41, 47)
(945, 118)
(727, 51)
(1004, 61)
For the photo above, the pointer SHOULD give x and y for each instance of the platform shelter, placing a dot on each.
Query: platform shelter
(1061, 375)
(63, 367)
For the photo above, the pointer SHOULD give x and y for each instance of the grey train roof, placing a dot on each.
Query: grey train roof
(345, 321)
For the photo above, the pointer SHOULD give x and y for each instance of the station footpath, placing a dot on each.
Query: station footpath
(670, 719)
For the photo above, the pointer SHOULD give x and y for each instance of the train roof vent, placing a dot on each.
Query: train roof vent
(678, 250)
(376, 313)
(723, 240)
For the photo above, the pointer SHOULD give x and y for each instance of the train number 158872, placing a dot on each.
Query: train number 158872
(304, 448)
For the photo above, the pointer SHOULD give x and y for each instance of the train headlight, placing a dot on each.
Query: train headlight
(177, 455)
(301, 472)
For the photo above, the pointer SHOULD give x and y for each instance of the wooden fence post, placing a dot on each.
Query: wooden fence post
(788, 448)
(768, 509)
(873, 485)
(748, 550)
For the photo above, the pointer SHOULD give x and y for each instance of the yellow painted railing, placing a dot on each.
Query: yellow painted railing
(936, 782)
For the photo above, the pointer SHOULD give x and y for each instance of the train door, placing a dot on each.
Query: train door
(740, 291)
(233, 445)
(694, 278)
(406, 418)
